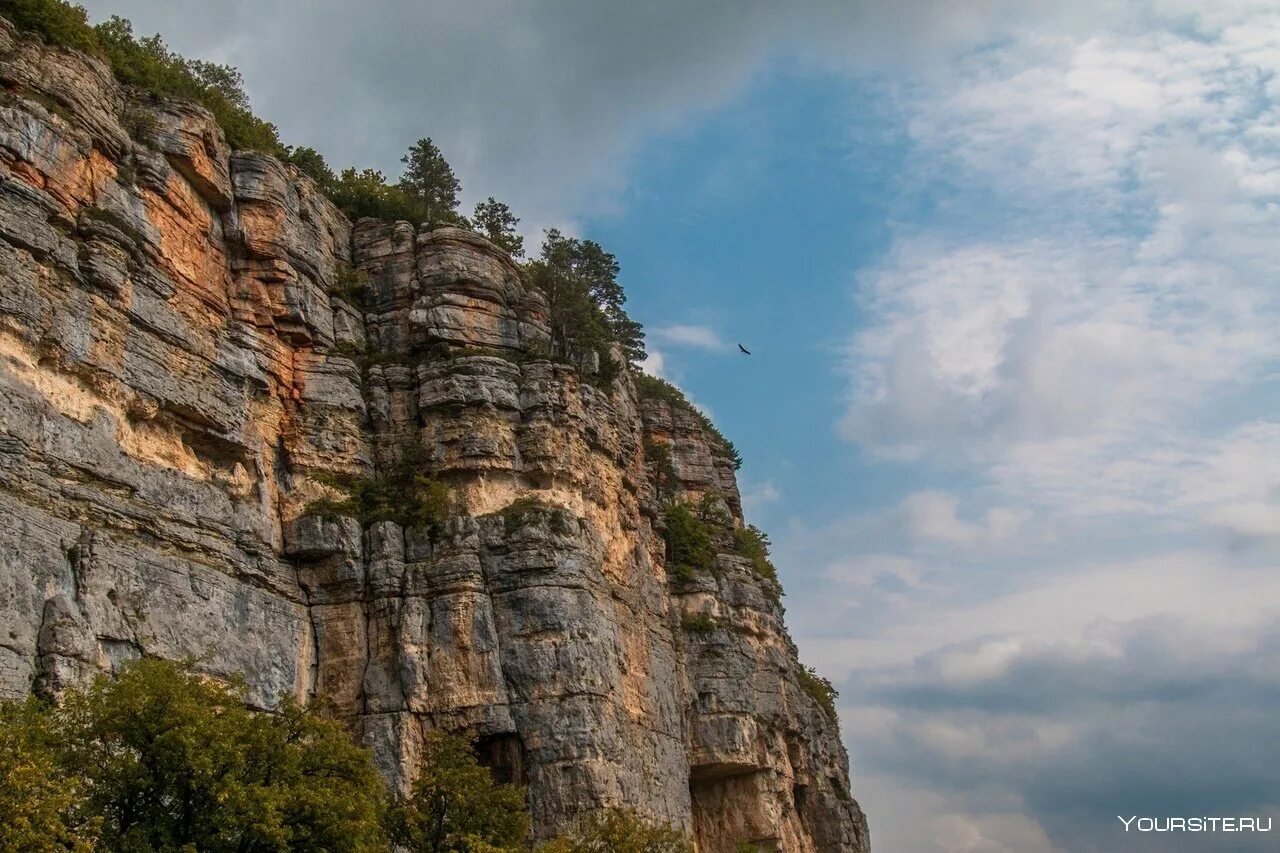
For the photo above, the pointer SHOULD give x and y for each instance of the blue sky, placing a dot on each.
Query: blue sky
(1009, 274)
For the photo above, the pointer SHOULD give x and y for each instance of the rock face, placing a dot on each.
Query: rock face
(177, 377)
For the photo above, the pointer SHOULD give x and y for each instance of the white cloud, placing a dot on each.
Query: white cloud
(700, 337)
(1078, 362)
(931, 515)
(757, 496)
(654, 362)
(1249, 519)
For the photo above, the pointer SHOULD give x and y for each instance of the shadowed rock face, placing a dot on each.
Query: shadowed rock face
(175, 374)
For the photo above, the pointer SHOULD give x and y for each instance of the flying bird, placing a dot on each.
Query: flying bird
(744, 349)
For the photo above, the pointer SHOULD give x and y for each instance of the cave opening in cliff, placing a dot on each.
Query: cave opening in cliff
(503, 754)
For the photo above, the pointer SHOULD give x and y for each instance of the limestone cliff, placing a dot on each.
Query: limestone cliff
(177, 377)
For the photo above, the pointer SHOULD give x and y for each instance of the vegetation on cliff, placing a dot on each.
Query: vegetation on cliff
(654, 388)
(403, 494)
(151, 66)
(695, 532)
(578, 277)
(580, 281)
(454, 804)
(820, 689)
(163, 758)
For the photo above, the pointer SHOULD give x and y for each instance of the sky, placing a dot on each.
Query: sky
(1009, 275)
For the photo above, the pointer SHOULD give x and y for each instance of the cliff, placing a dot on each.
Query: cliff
(181, 376)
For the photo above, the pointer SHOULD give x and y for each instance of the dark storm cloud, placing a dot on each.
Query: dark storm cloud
(1158, 718)
(540, 103)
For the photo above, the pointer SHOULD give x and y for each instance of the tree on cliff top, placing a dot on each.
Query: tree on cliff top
(496, 221)
(429, 182)
(149, 64)
(585, 300)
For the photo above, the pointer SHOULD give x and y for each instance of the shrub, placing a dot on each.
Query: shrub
(162, 758)
(690, 542)
(652, 388)
(312, 164)
(351, 284)
(699, 623)
(753, 543)
(820, 689)
(405, 497)
(619, 831)
(139, 123)
(149, 64)
(54, 21)
(514, 514)
(367, 193)
(454, 804)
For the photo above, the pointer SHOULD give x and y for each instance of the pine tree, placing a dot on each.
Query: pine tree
(429, 182)
(496, 221)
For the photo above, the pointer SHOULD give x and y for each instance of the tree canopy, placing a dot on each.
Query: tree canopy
(455, 806)
(619, 831)
(496, 221)
(429, 183)
(585, 301)
(162, 758)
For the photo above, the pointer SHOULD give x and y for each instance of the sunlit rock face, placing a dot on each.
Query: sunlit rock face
(178, 377)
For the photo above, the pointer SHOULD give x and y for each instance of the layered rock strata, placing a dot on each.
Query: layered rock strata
(180, 379)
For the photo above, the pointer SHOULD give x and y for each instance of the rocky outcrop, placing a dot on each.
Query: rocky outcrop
(180, 374)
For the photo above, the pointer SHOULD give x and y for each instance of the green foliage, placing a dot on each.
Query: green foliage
(405, 496)
(42, 804)
(164, 759)
(367, 193)
(822, 691)
(747, 847)
(312, 164)
(149, 64)
(690, 542)
(426, 193)
(585, 301)
(351, 284)
(653, 388)
(455, 806)
(699, 623)
(753, 543)
(139, 123)
(657, 456)
(495, 220)
(429, 183)
(619, 831)
(54, 21)
(515, 513)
